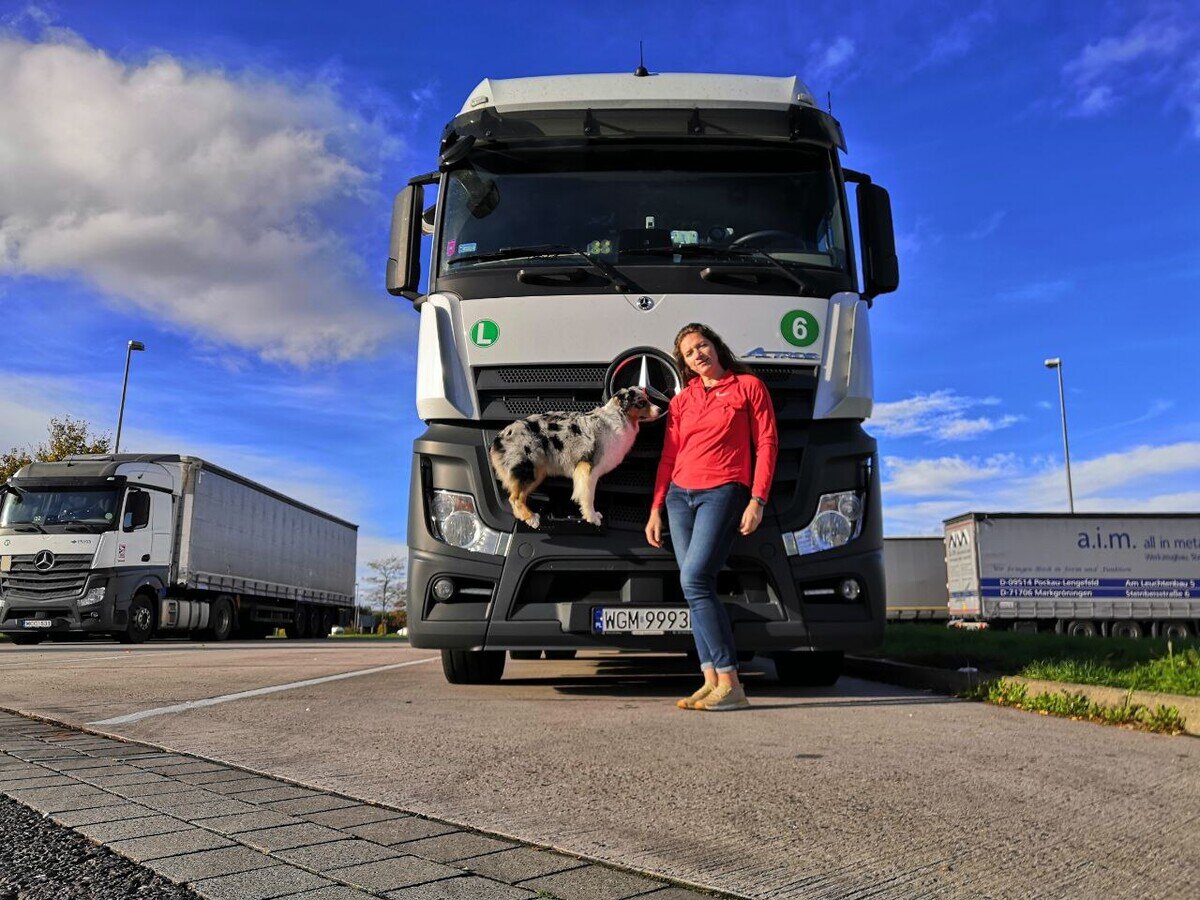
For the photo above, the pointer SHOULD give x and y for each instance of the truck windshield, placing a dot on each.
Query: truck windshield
(61, 510)
(631, 206)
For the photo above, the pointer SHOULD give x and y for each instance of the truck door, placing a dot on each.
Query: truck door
(162, 527)
(136, 539)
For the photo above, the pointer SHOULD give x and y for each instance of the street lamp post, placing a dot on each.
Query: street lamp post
(133, 345)
(1057, 363)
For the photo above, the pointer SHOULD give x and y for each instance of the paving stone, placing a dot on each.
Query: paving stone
(212, 777)
(241, 785)
(277, 792)
(90, 774)
(137, 777)
(592, 883)
(61, 799)
(454, 846)
(520, 863)
(337, 892)
(48, 779)
(469, 887)
(126, 810)
(174, 843)
(302, 805)
(201, 812)
(124, 829)
(150, 788)
(185, 768)
(336, 855)
(290, 836)
(82, 764)
(210, 864)
(393, 874)
(260, 884)
(251, 821)
(359, 814)
(675, 893)
(181, 799)
(396, 831)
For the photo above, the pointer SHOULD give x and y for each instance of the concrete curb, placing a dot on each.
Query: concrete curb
(950, 681)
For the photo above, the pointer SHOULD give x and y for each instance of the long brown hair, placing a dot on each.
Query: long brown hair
(724, 355)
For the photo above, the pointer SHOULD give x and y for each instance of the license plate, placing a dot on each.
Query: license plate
(641, 620)
(38, 623)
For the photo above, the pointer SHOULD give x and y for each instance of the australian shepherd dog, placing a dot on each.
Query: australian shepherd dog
(579, 446)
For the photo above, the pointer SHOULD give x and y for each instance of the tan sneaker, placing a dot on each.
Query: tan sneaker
(724, 698)
(690, 702)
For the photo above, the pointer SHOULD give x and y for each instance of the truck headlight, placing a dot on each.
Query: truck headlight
(838, 520)
(92, 597)
(456, 522)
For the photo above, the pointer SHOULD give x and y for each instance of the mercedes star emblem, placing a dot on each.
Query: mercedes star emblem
(645, 303)
(43, 561)
(647, 368)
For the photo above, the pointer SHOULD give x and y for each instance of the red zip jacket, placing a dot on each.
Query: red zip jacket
(709, 435)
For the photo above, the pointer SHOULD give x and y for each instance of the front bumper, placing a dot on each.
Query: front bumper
(543, 593)
(64, 614)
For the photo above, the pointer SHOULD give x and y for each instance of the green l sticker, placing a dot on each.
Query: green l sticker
(799, 328)
(484, 333)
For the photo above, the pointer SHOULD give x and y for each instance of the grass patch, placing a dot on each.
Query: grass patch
(1146, 664)
(1069, 705)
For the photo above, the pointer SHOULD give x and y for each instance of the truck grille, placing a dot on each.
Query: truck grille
(508, 393)
(66, 579)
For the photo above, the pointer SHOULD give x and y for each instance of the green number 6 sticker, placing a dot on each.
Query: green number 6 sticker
(484, 333)
(799, 328)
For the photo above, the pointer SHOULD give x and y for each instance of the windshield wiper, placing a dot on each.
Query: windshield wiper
(77, 524)
(23, 525)
(748, 253)
(536, 251)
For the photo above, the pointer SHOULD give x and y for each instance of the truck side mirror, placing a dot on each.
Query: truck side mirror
(881, 269)
(137, 511)
(404, 252)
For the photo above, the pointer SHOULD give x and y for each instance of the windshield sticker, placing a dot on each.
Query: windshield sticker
(467, 248)
(685, 237)
(451, 247)
(484, 333)
(763, 353)
(799, 328)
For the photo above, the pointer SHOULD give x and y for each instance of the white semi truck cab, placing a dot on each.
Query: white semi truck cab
(580, 222)
(133, 545)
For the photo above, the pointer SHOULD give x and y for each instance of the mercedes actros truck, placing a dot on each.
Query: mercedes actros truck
(137, 545)
(579, 223)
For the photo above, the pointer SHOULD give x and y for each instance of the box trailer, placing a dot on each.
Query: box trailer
(1115, 574)
(914, 575)
(136, 545)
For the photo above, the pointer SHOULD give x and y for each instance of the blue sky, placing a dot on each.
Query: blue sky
(215, 180)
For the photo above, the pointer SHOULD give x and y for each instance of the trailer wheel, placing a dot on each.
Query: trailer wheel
(141, 621)
(1173, 631)
(820, 668)
(327, 622)
(473, 666)
(298, 627)
(26, 640)
(560, 654)
(220, 620)
(525, 654)
(1124, 629)
(1081, 628)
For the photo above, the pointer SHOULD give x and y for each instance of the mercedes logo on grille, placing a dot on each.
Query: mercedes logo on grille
(645, 303)
(644, 367)
(43, 561)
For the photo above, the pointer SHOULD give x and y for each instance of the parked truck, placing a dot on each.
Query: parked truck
(137, 545)
(1124, 575)
(580, 221)
(914, 572)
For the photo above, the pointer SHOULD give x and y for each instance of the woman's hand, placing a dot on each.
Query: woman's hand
(654, 528)
(751, 518)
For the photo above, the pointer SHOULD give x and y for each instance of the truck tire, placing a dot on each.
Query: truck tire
(141, 621)
(1081, 628)
(473, 666)
(220, 620)
(1125, 629)
(525, 654)
(26, 640)
(298, 627)
(1172, 631)
(560, 654)
(798, 668)
(326, 617)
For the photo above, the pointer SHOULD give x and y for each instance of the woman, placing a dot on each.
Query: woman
(712, 483)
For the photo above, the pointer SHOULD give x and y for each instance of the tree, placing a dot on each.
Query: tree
(67, 437)
(389, 589)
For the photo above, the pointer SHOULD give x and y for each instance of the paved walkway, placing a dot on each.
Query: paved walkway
(231, 834)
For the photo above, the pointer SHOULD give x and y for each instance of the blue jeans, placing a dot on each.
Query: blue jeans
(703, 526)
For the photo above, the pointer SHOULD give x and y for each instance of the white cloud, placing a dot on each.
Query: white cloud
(832, 60)
(191, 194)
(939, 414)
(1038, 291)
(946, 475)
(988, 227)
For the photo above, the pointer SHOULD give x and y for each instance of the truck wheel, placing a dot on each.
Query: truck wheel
(525, 654)
(820, 668)
(1081, 628)
(560, 654)
(220, 620)
(473, 666)
(141, 621)
(26, 640)
(1131, 630)
(298, 627)
(1174, 630)
(326, 618)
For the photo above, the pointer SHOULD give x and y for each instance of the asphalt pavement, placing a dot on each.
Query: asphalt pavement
(852, 791)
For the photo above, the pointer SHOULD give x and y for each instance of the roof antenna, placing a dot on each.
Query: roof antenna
(641, 71)
(829, 101)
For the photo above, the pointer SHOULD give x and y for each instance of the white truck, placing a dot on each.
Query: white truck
(580, 222)
(914, 572)
(1124, 575)
(135, 545)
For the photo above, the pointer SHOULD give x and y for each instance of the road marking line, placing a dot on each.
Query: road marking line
(257, 692)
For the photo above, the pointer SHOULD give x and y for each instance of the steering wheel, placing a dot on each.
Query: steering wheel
(765, 233)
